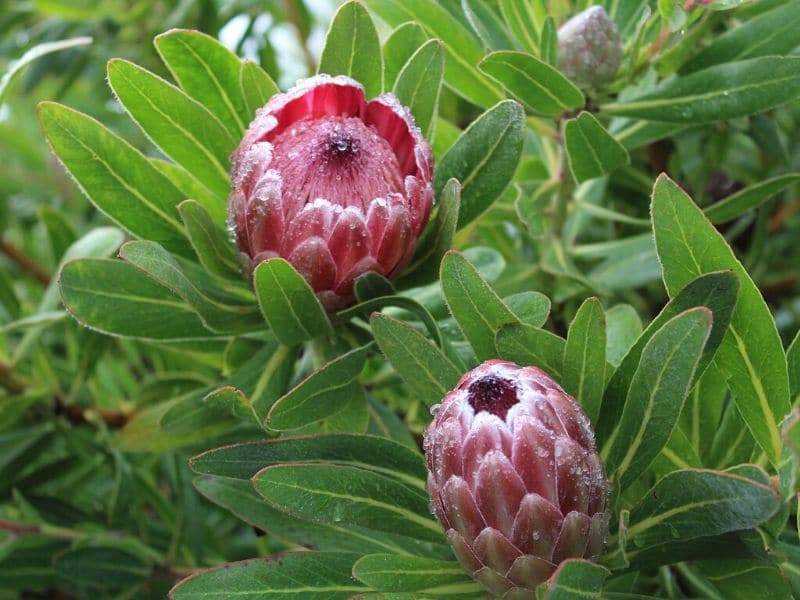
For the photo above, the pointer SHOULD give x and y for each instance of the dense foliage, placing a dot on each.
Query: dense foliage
(633, 235)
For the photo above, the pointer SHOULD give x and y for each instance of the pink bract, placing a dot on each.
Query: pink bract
(514, 477)
(336, 185)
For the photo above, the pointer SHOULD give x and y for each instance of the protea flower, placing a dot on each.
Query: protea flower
(336, 185)
(514, 477)
(589, 48)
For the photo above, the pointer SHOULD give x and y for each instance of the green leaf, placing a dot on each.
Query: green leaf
(366, 452)
(461, 47)
(239, 497)
(750, 197)
(576, 579)
(179, 126)
(793, 362)
(591, 150)
(536, 84)
(422, 365)
(527, 345)
(288, 303)
(549, 41)
(720, 92)
(372, 285)
(487, 25)
(704, 407)
(532, 308)
(419, 82)
(16, 67)
(425, 576)
(623, 327)
(520, 20)
(716, 291)
(657, 393)
(220, 311)
(746, 579)
(352, 48)
(116, 298)
(437, 238)
(483, 159)
(190, 187)
(584, 371)
(383, 422)
(117, 178)
(257, 86)
(401, 44)
(208, 72)
(409, 304)
(212, 247)
(349, 495)
(294, 575)
(98, 566)
(321, 394)
(751, 353)
(695, 503)
(774, 32)
(477, 308)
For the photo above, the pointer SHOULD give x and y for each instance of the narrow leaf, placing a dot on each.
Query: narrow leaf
(527, 345)
(401, 44)
(591, 150)
(536, 84)
(419, 82)
(483, 159)
(288, 303)
(352, 48)
(751, 353)
(212, 247)
(257, 86)
(427, 577)
(584, 371)
(750, 197)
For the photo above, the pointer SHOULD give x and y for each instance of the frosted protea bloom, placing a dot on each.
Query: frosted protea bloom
(589, 48)
(336, 185)
(514, 477)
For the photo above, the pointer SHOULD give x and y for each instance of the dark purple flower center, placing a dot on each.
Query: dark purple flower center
(340, 159)
(492, 394)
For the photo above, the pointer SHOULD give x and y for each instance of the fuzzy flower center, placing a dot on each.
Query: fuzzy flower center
(340, 159)
(492, 394)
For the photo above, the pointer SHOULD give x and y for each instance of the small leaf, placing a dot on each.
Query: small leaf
(483, 159)
(746, 579)
(419, 82)
(549, 42)
(425, 576)
(526, 345)
(422, 365)
(401, 44)
(242, 461)
(179, 126)
(349, 495)
(750, 197)
(536, 84)
(437, 238)
(414, 307)
(532, 308)
(208, 72)
(585, 358)
(372, 285)
(257, 86)
(751, 352)
(793, 361)
(520, 20)
(292, 576)
(479, 311)
(656, 394)
(319, 395)
(774, 32)
(212, 247)
(288, 303)
(104, 567)
(352, 48)
(591, 150)
(715, 291)
(576, 579)
(721, 92)
(694, 503)
(461, 47)
(116, 298)
(117, 178)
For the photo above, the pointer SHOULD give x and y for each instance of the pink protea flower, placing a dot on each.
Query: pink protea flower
(514, 477)
(336, 185)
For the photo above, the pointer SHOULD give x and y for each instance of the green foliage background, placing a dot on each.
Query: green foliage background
(130, 343)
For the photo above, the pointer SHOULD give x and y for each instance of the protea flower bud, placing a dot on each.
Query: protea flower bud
(589, 48)
(514, 477)
(336, 185)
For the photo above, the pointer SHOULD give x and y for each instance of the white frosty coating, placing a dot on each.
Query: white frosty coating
(259, 154)
(301, 85)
